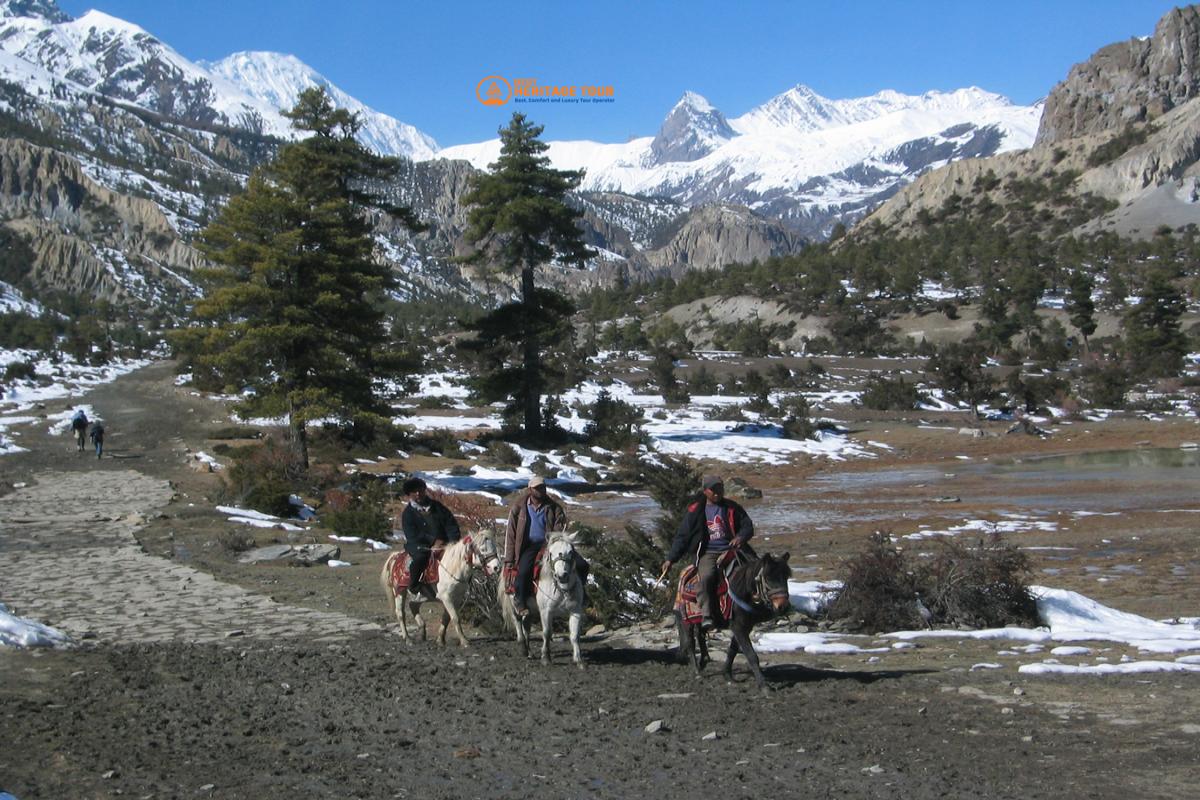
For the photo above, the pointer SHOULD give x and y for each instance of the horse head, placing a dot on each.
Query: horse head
(771, 582)
(483, 543)
(560, 553)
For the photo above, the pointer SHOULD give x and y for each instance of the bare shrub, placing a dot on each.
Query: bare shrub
(983, 586)
(968, 586)
(624, 569)
(879, 589)
(264, 477)
(365, 515)
(236, 541)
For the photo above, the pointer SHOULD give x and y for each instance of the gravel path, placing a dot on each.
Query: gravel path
(68, 558)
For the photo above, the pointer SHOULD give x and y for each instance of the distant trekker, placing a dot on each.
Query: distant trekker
(79, 425)
(98, 437)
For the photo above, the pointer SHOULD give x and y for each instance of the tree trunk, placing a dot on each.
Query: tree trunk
(531, 365)
(297, 434)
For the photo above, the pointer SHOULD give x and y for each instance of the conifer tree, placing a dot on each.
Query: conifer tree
(1080, 305)
(292, 308)
(1154, 343)
(518, 221)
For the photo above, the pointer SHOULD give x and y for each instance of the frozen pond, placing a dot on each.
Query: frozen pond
(1124, 480)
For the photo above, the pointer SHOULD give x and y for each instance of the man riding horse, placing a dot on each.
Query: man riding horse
(428, 525)
(711, 527)
(532, 518)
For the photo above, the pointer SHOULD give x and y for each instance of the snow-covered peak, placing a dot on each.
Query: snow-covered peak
(800, 109)
(695, 102)
(277, 79)
(692, 130)
(32, 9)
(97, 23)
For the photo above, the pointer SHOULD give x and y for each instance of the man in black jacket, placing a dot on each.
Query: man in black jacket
(428, 526)
(711, 526)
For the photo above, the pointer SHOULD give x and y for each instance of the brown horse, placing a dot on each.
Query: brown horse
(758, 587)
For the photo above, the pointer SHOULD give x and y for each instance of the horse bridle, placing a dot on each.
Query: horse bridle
(569, 559)
(469, 559)
(761, 589)
(472, 549)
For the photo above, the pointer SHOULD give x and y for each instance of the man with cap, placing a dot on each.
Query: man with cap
(428, 525)
(711, 526)
(531, 520)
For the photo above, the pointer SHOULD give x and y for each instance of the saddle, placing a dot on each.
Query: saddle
(687, 597)
(510, 573)
(401, 579)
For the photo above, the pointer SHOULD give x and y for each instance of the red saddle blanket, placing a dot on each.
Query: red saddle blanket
(510, 574)
(402, 580)
(687, 601)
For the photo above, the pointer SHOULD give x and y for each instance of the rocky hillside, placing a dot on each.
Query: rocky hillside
(1128, 82)
(1118, 150)
(116, 151)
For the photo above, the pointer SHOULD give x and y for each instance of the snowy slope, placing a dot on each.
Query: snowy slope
(815, 152)
(109, 56)
(277, 80)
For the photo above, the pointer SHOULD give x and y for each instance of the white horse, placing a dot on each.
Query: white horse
(454, 575)
(559, 590)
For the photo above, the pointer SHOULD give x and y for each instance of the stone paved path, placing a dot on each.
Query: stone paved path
(68, 558)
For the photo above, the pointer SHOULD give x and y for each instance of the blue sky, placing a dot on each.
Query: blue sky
(421, 61)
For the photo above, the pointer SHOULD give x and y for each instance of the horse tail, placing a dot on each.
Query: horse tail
(506, 610)
(385, 577)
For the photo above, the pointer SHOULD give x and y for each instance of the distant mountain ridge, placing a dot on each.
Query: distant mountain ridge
(1117, 151)
(803, 159)
(119, 60)
(142, 146)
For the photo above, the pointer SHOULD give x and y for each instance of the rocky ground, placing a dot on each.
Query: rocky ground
(197, 676)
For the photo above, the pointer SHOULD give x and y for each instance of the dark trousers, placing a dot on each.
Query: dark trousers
(416, 567)
(525, 563)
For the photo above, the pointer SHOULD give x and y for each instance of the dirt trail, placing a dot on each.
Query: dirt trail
(69, 558)
(161, 702)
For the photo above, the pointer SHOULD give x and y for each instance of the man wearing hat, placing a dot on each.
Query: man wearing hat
(711, 526)
(531, 520)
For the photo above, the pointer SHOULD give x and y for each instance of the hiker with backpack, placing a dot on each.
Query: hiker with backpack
(79, 426)
(98, 437)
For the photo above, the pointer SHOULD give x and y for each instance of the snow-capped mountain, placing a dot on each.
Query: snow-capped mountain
(691, 131)
(120, 60)
(277, 79)
(799, 157)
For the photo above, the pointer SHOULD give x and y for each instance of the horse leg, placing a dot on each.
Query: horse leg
(702, 644)
(523, 629)
(730, 655)
(742, 636)
(402, 612)
(453, 617)
(547, 627)
(445, 624)
(415, 603)
(575, 623)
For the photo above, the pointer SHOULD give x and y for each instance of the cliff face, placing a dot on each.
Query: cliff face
(1120, 139)
(716, 235)
(1134, 81)
(86, 237)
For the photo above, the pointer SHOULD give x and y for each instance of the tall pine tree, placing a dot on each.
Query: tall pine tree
(292, 308)
(1154, 343)
(518, 221)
